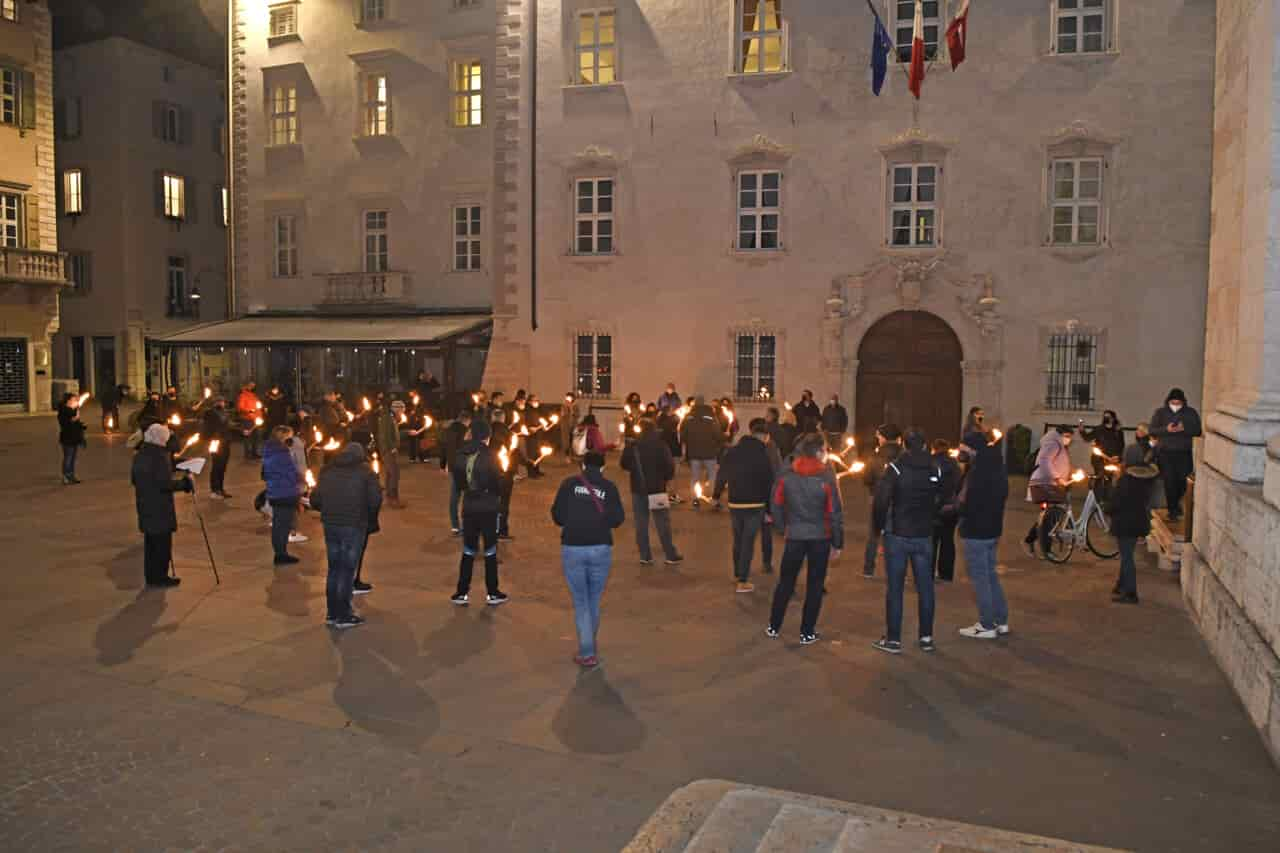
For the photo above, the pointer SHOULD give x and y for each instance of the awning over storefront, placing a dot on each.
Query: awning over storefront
(331, 331)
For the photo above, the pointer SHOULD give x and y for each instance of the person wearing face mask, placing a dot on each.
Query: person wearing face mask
(1049, 481)
(1174, 426)
(1107, 437)
(808, 415)
(835, 423)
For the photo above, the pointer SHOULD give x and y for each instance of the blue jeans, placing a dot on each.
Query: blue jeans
(746, 527)
(344, 546)
(69, 461)
(455, 497)
(586, 569)
(980, 559)
(898, 551)
(794, 554)
(1128, 580)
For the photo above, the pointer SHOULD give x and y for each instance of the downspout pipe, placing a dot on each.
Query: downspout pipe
(533, 164)
(230, 171)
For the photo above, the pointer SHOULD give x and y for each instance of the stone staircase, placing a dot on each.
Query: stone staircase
(722, 817)
(1167, 540)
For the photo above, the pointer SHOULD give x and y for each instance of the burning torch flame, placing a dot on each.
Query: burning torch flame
(850, 442)
(504, 459)
(1097, 451)
(515, 442)
(544, 451)
(416, 399)
(333, 444)
(404, 419)
(728, 413)
(515, 417)
(377, 466)
(544, 423)
(996, 435)
(622, 429)
(636, 429)
(427, 422)
(697, 491)
(257, 404)
(858, 467)
(954, 453)
(364, 404)
(1112, 468)
(319, 437)
(83, 397)
(191, 441)
(351, 416)
(1077, 476)
(555, 419)
(475, 399)
(214, 446)
(258, 421)
(786, 406)
(311, 479)
(175, 419)
(626, 407)
(208, 392)
(111, 422)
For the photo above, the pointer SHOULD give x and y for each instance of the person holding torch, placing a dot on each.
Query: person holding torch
(1049, 481)
(476, 475)
(70, 435)
(216, 429)
(153, 487)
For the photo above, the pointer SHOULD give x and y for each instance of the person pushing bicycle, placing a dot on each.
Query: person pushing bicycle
(1049, 481)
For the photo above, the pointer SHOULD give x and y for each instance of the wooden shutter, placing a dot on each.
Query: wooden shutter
(190, 202)
(60, 118)
(358, 10)
(186, 126)
(84, 190)
(31, 217)
(27, 99)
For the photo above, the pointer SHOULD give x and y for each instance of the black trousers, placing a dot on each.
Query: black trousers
(944, 548)
(157, 553)
(505, 489)
(477, 526)
(219, 471)
(1175, 467)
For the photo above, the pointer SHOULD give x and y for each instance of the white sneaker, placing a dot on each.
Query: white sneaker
(295, 538)
(217, 496)
(977, 632)
(1002, 630)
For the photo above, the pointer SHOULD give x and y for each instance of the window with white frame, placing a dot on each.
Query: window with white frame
(376, 243)
(759, 210)
(284, 20)
(180, 303)
(597, 47)
(10, 86)
(372, 11)
(376, 96)
(761, 38)
(285, 241)
(755, 372)
(593, 365)
(1080, 26)
(593, 216)
(284, 115)
(175, 196)
(78, 271)
(73, 191)
(9, 10)
(10, 220)
(905, 18)
(468, 94)
(466, 237)
(1071, 372)
(913, 211)
(1077, 201)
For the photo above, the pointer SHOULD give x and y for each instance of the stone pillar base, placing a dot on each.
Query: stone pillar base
(1238, 447)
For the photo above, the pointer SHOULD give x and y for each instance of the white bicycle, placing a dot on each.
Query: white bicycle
(1092, 527)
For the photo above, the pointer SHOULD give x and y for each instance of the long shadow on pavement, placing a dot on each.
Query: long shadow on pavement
(125, 568)
(124, 633)
(596, 720)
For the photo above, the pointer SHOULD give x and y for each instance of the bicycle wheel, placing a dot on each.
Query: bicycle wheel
(1062, 538)
(1098, 536)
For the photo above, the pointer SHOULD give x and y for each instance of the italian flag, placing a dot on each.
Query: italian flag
(917, 51)
(958, 34)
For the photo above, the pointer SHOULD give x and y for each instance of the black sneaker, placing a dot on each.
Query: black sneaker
(892, 647)
(165, 583)
(926, 644)
(347, 622)
(868, 574)
(506, 537)
(771, 632)
(1125, 598)
(809, 639)
(361, 588)
(286, 560)
(675, 561)
(461, 599)
(496, 598)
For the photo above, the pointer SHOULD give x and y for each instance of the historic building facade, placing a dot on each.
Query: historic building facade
(142, 209)
(721, 201)
(31, 268)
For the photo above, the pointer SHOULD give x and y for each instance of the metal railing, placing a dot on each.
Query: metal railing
(355, 288)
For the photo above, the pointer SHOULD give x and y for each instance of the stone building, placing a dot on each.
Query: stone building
(31, 268)
(141, 210)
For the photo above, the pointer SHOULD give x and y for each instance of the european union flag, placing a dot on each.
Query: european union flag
(881, 46)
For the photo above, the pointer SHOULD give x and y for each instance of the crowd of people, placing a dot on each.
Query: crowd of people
(778, 476)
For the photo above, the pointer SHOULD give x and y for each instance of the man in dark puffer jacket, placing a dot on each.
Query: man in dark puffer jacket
(348, 498)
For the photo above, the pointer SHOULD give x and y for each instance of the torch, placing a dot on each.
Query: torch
(311, 479)
(427, 422)
(515, 442)
(191, 442)
(175, 419)
(1077, 476)
(257, 421)
(404, 419)
(416, 399)
(635, 428)
(543, 453)
(319, 436)
(214, 446)
(111, 422)
(697, 491)
(208, 392)
(351, 416)
(377, 466)
(364, 404)
(504, 459)
(555, 419)
(332, 444)
(622, 429)
(83, 398)
(954, 453)
(996, 435)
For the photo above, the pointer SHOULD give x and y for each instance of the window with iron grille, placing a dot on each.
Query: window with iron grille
(284, 20)
(377, 253)
(468, 94)
(597, 47)
(759, 211)
(914, 208)
(1072, 373)
(1077, 201)
(1080, 26)
(593, 365)
(761, 37)
(466, 237)
(285, 239)
(284, 115)
(180, 302)
(10, 220)
(756, 361)
(593, 216)
(904, 27)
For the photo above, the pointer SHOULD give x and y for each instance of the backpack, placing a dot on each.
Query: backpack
(580, 442)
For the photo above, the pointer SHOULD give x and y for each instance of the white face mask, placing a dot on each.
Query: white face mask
(1175, 406)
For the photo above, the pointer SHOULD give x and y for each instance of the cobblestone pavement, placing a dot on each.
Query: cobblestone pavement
(229, 718)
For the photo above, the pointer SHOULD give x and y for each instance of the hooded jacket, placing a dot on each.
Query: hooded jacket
(1110, 440)
(153, 488)
(587, 508)
(982, 499)
(650, 463)
(701, 434)
(885, 454)
(806, 502)
(747, 471)
(478, 478)
(1165, 417)
(1053, 461)
(283, 481)
(908, 496)
(347, 493)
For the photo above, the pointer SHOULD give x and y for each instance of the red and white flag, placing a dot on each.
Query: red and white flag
(958, 34)
(917, 51)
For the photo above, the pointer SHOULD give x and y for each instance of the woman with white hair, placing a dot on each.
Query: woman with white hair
(153, 488)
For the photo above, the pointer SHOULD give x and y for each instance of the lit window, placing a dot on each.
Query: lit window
(761, 37)
(913, 210)
(10, 221)
(180, 303)
(284, 115)
(373, 10)
(756, 360)
(286, 247)
(759, 210)
(1071, 372)
(78, 270)
(175, 192)
(377, 105)
(467, 94)
(376, 252)
(593, 216)
(9, 10)
(73, 191)
(597, 51)
(1080, 26)
(466, 238)
(284, 20)
(905, 16)
(226, 207)
(593, 365)
(9, 88)
(1077, 201)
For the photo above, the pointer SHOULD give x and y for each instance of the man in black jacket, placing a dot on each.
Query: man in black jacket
(450, 446)
(703, 439)
(348, 498)
(888, 446)
(906, 506)
(835, 423)
(981, 504)
(477, 476)
(651, 466)
(216, 426)
(808, 415)
(153, 487)
(1174, 425)
(748, 472)
(942, 547)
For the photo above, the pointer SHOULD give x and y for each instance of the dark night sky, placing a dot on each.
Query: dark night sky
(193, 29)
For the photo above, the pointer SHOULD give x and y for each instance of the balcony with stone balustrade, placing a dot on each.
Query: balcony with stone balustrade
(31, 266)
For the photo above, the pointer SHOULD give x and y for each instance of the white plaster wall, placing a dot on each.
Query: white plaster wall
(674, 289)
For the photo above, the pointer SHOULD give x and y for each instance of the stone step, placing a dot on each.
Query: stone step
(737, 823)
(1166, 541)
(801, 829)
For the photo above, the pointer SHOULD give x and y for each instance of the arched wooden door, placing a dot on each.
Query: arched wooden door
(909, 374)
